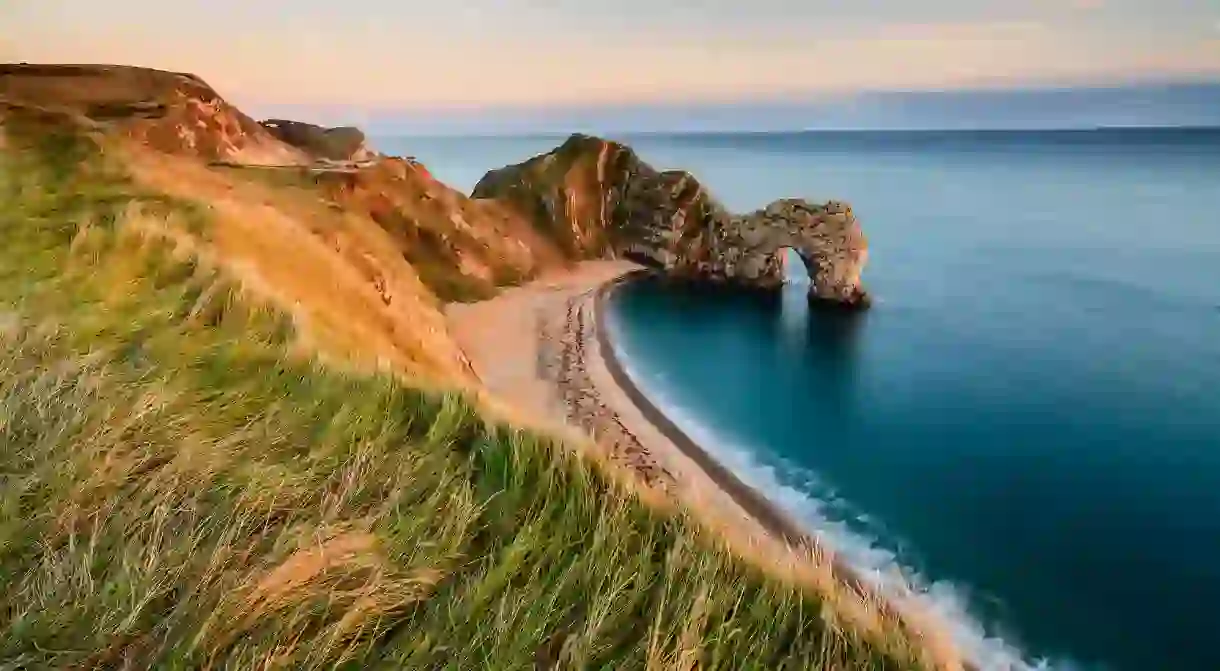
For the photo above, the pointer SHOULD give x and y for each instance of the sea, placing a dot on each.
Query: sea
(1025, 428)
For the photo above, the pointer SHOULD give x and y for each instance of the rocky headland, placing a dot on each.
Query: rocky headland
(597, 198)
(385, 221)
(343, 143)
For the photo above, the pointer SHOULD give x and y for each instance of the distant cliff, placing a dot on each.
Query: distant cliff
(344, 143)
(595, 197)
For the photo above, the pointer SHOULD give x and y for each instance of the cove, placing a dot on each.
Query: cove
(1025, 423)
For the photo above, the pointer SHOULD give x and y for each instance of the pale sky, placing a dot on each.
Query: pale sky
(415, 55)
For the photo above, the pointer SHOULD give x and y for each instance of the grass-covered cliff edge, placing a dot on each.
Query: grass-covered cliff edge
(232, 436)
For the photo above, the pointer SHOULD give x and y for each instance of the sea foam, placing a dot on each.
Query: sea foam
(822, 512)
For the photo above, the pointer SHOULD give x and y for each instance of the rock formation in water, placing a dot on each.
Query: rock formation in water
(595, 197)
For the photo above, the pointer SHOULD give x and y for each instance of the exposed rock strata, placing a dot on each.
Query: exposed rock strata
(596, 198)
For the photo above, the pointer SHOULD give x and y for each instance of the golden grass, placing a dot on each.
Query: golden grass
(353, 296)
(180, 487)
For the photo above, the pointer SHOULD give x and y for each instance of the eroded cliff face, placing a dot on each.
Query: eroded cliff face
(169, 111)
(596, 198)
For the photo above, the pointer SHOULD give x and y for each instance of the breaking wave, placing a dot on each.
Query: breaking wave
(861, 541)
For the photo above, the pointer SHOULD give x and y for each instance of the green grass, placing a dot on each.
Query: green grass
(178, 492)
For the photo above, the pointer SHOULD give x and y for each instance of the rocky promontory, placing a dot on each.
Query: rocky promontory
(597, 198)
(344, 143)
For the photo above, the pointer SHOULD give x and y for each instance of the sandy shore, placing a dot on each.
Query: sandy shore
(543, 348)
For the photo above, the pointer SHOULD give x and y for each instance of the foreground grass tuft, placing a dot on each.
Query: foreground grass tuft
(179, 491)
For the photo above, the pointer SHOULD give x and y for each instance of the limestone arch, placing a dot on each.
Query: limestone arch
(785, 255)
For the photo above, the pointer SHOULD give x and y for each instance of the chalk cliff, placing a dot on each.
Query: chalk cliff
(597, 198)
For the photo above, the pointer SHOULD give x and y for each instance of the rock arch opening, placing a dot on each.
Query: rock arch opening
(794, 268)
(668, 221)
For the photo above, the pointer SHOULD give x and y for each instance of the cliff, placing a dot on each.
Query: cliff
(343, 279)
(344, 143)
(169, 111)
(587, 198)
(462, 249)
(596, 198)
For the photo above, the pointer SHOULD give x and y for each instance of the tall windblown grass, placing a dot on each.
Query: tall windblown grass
(179, 490)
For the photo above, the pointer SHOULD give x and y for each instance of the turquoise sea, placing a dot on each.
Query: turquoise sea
(1026, 426)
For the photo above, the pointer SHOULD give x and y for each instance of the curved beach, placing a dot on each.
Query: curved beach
(750, 500)
(544, 348)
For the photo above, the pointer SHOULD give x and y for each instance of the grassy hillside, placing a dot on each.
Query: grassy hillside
(181, 487)
(463, 249)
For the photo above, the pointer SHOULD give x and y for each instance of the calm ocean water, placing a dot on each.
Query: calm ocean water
(1026, 425)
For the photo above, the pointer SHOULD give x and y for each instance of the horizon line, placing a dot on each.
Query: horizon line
(773, 98)
(802, 131)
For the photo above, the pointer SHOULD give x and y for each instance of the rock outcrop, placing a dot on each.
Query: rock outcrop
(168, 111)
(344, 143)
(595, 198)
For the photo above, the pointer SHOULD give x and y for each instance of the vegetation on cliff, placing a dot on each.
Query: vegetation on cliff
(186, 482)
(171, 111)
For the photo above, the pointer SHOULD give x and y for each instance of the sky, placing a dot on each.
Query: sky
(433, 59)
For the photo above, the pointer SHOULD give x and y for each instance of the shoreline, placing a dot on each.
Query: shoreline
(574, 382)
(544, 350)
(764, 511)
(577, 382)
